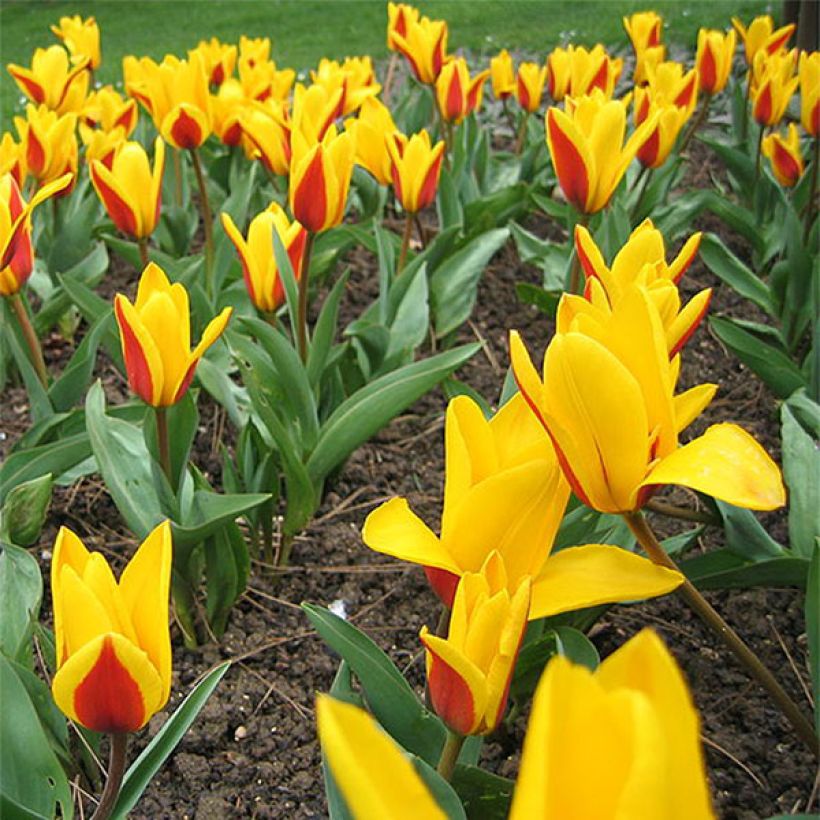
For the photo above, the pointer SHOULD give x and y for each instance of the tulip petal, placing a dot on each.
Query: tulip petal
(686, 322)
(526, 376)
(728, 464)
(571, 158)
(597, 574)
(143, 362)
(213, 331)
(691, 403)
(118, 203)
(69, 551)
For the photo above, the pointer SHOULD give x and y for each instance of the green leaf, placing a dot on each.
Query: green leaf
(24, 510)
(448, 203)
(443, 793)
(722, 569)
(546, 301)
(574, 645)
(218, 383)
(485, 796)
(532, 659)
(153, 757)
(374, 405)
(226, 574)
(412, 318)
(801, 469)
(813, 630)
(745, 535)
(210, 512)
(325, 331)
(393, 702)
(39, 403)
(21, 592)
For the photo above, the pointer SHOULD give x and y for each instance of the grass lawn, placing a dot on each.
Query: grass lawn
(303, 30)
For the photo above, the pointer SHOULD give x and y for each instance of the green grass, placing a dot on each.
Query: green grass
(303, 31)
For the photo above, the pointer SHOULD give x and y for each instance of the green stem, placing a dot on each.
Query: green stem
(744, 123)
(304, 285)
(759, 152)
(644, 184)
(142, 244)
(449, 754)
(405, 242)
(178, 176)
(184, 608)
(283, 559)
(681, 513)
(17, 302)
(704, 610)
(696, 124)
(266, 511)
(810, 213)
(205, 206)
(162, 443)
(116, 770)
(575, 269)
(522, 132)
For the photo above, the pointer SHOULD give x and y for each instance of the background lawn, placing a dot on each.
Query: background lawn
(303, 31)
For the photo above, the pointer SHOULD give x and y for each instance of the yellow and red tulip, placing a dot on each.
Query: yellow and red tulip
(784, 155)
(130, 189)
(424, 46)
(228, 106)
(373, 773)
(617, 438)
(469, 671)
(630, 727)
(315, 109)
(808, 72)
(457, 94)
(155, 333)
(714, 59)
(587, 148)
(106, 109)
(50, 144)
(50, 81)
(667, 84)
(502, 75)
(101, 145)
(773, 83)
(399, 17)
(219, 59)
(16, 251)
(644, 31)
(320, 176)
(254, 50)
(371, 130)
(504, 491)
(762, 35)
(354, 76)
(81, 38)
(266, 127)
(259, 267)
(576, 71)
(415, 169)
(111, 638)
(669, 121)
(529, 85)
(13, 158)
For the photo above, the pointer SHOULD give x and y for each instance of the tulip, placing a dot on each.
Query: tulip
(229, 105)
(469, 671)
(630, 728)
(315, 109)
(267, 129)
(587, 148)
(762, 36)
(254, 50)
(424, 46)
(809, 76)
(101, 145)
(81, 38)
(714, 59)
(773, 82)
(111, 638)
(667, 84)
(13, 159)
(50, 82)
(50, 144)
(457, 94)
(785, 157)
(371, 131)
(504, 491)
(261, 80)
(106, 109)
(259, 267)
(669, 122)
(415, 169)
(576, 71)
(530, 85)
(355, 77)
(617, 438)
(373, 773)
(155, 335)
(219, 59)
(502, 75)
(644, 31)
(399, 17)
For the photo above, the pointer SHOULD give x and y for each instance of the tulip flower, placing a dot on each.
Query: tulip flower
(355, 77)
(809, 75)
(415, 169)
(106, 109)
(254, 50)
(617, 438)
(669, 122)
(714, 59)
(371, 131)
(101, 145)
(644, 31)
(469, 671)
(457, 94)
(81, 38)
(259, 267)
(773, 82)
(13, 159)
(263, 81)
(630, 728)
(502, 75)
(373, 773)
(576, 71)
(399, 17)
(530, 85)
(315, 109)
(50, 144)
(111, 638)
(784, 155)
(155, 335)
(762, 36)
(424, 46)
(229, 104)
(504, 491)
(267, 129)
(50, 82)
(587, 148)
(667, 84)
(219, 59)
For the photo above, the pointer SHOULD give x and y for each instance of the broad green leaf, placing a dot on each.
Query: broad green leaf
(226, 574)
(24, 511)
(448, 204)
(412, 318)
(532, 659)
(729, 269)
(483, 794)
(21, 592)
(801, 471)
(325, 331)
(211, 511)
(218, 383)
(574, 645)
(443, 793)
(722, 569)
(745, 536)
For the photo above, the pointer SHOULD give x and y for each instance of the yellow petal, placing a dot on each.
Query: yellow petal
(84, 616)
(68, 551)
(691, 403)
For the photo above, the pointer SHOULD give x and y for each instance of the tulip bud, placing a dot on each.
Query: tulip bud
(81, 38)
(424, 46)
(50, 144)
(456, 94)
(371, 130)
(502, 75)
(714, 59)
(809, 75)
(416, 166)
(530, 85)
(773, 83)
(784, 155)
(219, 59)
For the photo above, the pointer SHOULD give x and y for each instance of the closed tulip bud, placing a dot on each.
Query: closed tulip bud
(131, 190)
(809, 76)
(714, 59)
(155, 333)
(106, 109)
(315, 109)
(101, 145)
(772, 85)
(424, 46)
(16, 250)
(469, 671)
(558, 73)
(371, 130)
(112, 642)
(669, 120)
(415, 169)
(587, 148)
(81, 38)
(784, 155)
(399, 17)
(668, 84)
(50, 144)
(259, 268)
(762, 36)
(268, 130)
(457, 94)
(355, 77)
(502, 75)
(254, 50)
(644, 30)
(219, 59)
(320, 178)
(13, 159)
(630, 727)
(530, 85)
(50, 81)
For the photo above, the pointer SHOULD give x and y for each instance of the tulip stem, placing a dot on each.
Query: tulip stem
(522, 132)
(640, 195)
(405, 242)
(142, 244)
(162, 443)
(388, 83)
(759, 152)
(205, 205)
(116, 770)
(704, 610)
(681, 513)
(449, 755)
(17, 302)
(304, 286)
(178, 177)
(707, 99)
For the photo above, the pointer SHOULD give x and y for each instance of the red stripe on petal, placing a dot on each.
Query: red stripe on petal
(763, 105)
(35, 153)
(246, 275)
(684, 98)
(455, 98)
(691, 329)
(569, 165)
(569, 475)
(136, 365)
(708, 71)
(451, 696)
(786, 164)
(781, 41)
(185, 132)
(524, 93)
(296, 252)
(22, 262)
(109, 699)
(600, 78)
(444, 584)
(397, 183)
(186, 382)
(310, 196)
(648, 152)
(428, 189)
(120, 212)
(32, 87)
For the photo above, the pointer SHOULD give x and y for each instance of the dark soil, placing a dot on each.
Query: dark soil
(253, 751)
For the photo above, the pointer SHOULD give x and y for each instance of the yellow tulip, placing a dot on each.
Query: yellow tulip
(267, 129)
(81, 38)
(773, 83)
(219, 59)
(529, 85)
(106, 109)
(620, 742)
(399, 17)
(415, 169)
(111, 638)
(761, 35)
(577, 71)
(261, 80)
(101, 145)
(13, 158)
(617, 437)
(714, 59)
(315, 109)
(667, 84)
(784, 155)
(809, 75)
(669, 122)
(50, 82)
(373, 773)
(155, 333)
(504, 492)
(371, 131)
(229, 105)
(424, 46)
(254, 49)
(50, 144)
(354, 76)
(644, 30)
(457, 94)
(502, 75)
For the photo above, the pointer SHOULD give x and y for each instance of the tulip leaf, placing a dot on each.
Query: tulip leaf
(813, 629)
(211, 511)
(231, 396)
(226, 574)
(801, 469)
(374, 405)
(32, 781)
(325, 332)
(24, 510)
(448, 202)
(443, 793)
(392, 701)
(483, 794)
(153, 757)
(411, 321)
(723, 569)
(574, 645)
(745, 536)
(21, 593)
(532, 659)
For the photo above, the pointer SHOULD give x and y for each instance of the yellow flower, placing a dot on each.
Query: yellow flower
(424, 46)
(219, 59)
(576, 71)
(50, 82)
(784, 154)
(761, 35)
(644, 30)
(399, 16)
(267, 130)
(714, 59)
(371, 131)
(457, 94)
(50, 143)
(773, 83)
(106, 109)
(630, 729)
(667, 84)
(530, 85)
(13, 158)
(101, 145)
(415, 169)
(81, 38)
(669, 121)
(502, 75)
(809, 75)
(354, 76)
